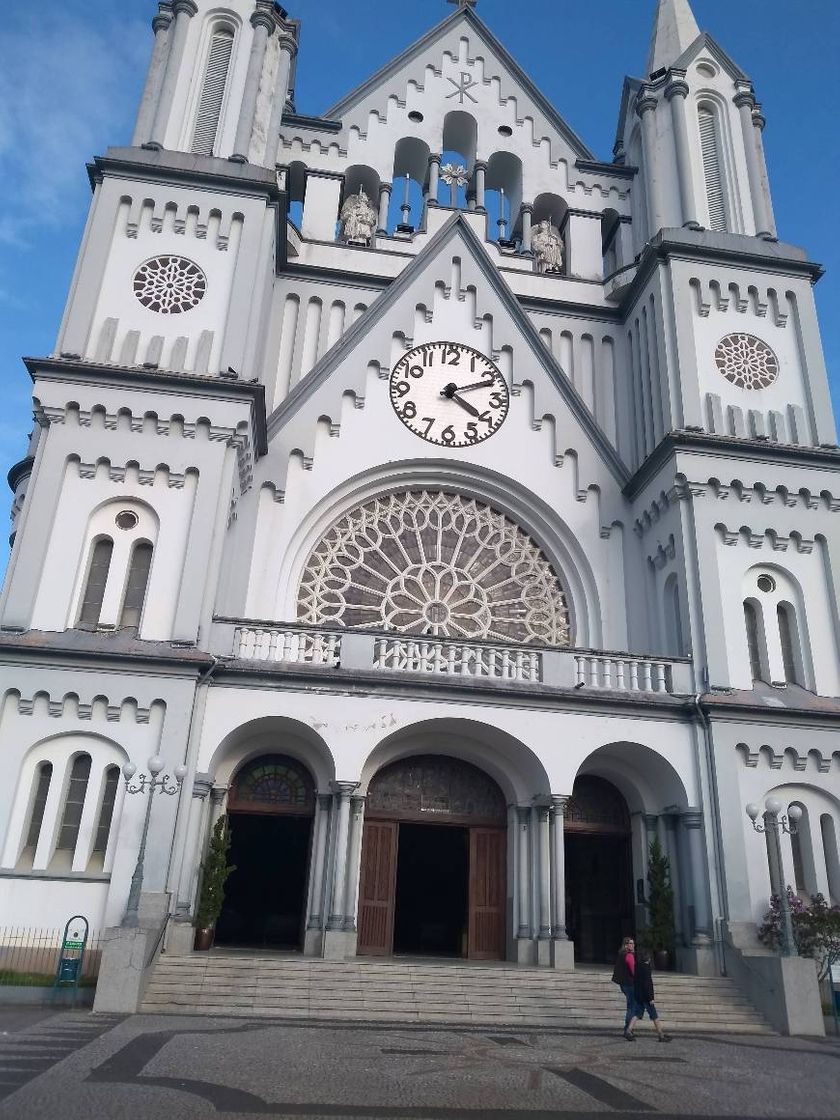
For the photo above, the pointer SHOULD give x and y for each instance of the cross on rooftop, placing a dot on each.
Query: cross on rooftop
(463, 3)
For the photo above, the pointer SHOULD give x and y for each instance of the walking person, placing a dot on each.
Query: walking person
(623, 975)
(643, 993)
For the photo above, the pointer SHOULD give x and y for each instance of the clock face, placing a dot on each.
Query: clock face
(449, 394)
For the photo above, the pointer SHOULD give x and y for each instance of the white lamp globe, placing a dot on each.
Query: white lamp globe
(156, 764)
(795, 813)
(180, 772)
(753, 811)
(129, 770)
(773, 805)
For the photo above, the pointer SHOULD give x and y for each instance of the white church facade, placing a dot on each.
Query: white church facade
(454, 510)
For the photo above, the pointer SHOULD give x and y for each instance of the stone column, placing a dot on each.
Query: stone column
(262, 22)
(384, 206)
(217, 804)
(646, 110)
(154, 77)
(343, 790)
(745, 103)
(527, 212)
(179, 939)
(288, 50)
(479, 176)
(434, 175)
(354, 859)
(669, 838)
(651, 832)
(183, 11)
(758, 127)
(558, 867)
(523, 894)
(692, 820)
(323, 803)
(544, 849)
(677, 91)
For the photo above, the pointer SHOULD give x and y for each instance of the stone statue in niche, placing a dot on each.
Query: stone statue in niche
(357, 219)
(547, 246)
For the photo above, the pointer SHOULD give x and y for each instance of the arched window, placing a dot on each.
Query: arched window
(138, 579)
(272, 784)
(106, 810)
(100, 563)
(790, 642)
(212, 92)
(753, 640)
(673, 617)
(74, 803)
(804, 870)
(39, 802)
(710, 150)
(832, 856)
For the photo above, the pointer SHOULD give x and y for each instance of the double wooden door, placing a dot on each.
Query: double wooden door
(486, 891)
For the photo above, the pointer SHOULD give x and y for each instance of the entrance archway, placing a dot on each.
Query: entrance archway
(433, 861)
(270, 807)
(599, 869)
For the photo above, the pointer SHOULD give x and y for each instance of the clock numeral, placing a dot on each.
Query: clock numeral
(428, 356)
(454, 356)
(472, 430)
(401, 388)
(409, 410)
(448, 434)
(415, 371)
(487, 418)
(496, 400)
(429, 422)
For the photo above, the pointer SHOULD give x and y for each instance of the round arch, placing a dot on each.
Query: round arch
(504, 494)
(272, 735)
(646, 779)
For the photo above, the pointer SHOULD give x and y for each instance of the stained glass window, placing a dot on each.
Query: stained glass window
(272, 784)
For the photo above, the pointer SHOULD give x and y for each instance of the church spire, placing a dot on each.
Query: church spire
(674, 30)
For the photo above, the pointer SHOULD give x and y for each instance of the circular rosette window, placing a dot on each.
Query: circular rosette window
(431, 563)
(169, 285)
(746, 361)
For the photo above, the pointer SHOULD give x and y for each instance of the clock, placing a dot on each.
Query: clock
(449, 394)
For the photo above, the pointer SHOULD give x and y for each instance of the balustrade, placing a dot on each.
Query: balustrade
(622, 674)
(411, 655)
(315, 647)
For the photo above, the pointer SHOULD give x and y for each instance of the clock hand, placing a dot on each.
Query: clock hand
(473, 411)
(473, 385)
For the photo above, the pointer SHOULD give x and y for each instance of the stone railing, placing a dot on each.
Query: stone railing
(371, 652)
(457, 659)
(289, 644)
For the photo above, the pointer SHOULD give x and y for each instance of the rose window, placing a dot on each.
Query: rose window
(169, 285)
(426, 562)
(746, 361)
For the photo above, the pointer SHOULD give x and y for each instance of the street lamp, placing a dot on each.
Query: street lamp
(776, 823)
(163, 785)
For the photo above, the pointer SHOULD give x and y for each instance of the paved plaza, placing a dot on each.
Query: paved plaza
(74, 1064)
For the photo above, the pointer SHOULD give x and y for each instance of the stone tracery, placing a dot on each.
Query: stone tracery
(429, 562)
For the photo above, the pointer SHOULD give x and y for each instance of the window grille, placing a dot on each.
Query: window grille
(74, 803)
(751, 621)
(39, 803)
(786, 632)
(712, 169)
(138, 579)
(100, 564)
(106, 812)
(212, 93)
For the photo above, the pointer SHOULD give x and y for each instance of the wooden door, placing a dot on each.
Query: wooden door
(377, 889)
(487, 894)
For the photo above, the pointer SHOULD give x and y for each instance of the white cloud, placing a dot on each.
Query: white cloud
(65, 94)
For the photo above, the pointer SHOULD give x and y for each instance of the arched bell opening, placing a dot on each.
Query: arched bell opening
(411, 167)
(270, 807)
(433, 861)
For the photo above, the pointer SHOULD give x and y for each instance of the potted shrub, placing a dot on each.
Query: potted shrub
(658, 937)
(214, 873)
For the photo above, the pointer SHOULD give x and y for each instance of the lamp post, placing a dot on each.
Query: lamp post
(776, 823)
(143, 784)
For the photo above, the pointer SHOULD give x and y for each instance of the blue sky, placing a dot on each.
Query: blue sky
(71, 72)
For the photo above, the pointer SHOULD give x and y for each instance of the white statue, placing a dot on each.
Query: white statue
(357, 219)
(547, 245)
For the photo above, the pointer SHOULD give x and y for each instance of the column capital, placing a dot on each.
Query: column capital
(218, 794)
(645, 102)
(758, 117)
(188, 7)
(651, 821)
(357, 804)
(479, 165)
(559, 801)
(677, 87)
(692, 818)
(526, 208)
(386, 187)
(162, 19)
(287, 42)
(434, 157)
(263, 17)
(523, 813)
(324, 800)
(202, 785)
(744, 97)
(344, 789)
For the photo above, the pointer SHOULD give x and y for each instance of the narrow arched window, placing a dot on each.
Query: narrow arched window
(712, 167)
(39, 803)
(106, 811)
(751, 623)
(100, 563)
(832, 856)
(74, 803)
(212, 92)
(788, 638)
(138, 578)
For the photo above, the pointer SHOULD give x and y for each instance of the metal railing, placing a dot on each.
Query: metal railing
(29, 957)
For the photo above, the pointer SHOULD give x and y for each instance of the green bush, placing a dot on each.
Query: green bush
(658, 935)
(214, 874)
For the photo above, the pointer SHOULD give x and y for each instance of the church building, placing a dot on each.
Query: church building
(450, 508)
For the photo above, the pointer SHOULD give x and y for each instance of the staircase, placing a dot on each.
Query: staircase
(403, 991)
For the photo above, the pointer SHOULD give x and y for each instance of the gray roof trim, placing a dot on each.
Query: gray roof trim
(467, 15)
(185, 168)
(189, 384)
(630, 87)
(615, 170)
(732, 449)
(122, 647)
(457, 224)
(317, 124)
(704, 41)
